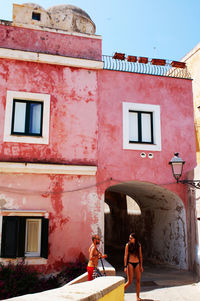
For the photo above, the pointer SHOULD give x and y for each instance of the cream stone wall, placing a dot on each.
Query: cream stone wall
(22, 14)
(193, 64)
(61, 17)
(192, 60)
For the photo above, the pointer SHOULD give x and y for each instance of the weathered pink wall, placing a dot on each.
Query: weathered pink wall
(86, 128)
(72, 211)
(73, 117)
(50, 42)
(177, 128)
(73, 140)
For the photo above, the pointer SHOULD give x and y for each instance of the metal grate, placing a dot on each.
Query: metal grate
(148, 67)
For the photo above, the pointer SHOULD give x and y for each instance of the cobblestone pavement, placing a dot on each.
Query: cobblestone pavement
(165, 284)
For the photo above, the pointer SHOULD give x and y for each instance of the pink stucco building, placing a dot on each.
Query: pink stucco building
(85, 144)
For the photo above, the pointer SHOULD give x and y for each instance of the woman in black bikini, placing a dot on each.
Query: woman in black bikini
(133, 262)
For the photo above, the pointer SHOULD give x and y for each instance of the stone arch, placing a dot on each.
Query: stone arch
(161, 226)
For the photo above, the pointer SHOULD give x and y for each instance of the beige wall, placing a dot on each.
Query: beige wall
(192, 60)
(193, 64)
(62, 17)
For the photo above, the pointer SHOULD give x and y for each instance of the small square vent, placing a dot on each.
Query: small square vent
(36, 16)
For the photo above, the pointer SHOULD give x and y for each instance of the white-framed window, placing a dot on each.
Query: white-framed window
(33, 237)
(141, 126)
(24, 236)
(27, 117)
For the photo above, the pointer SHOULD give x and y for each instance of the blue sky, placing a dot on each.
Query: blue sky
(154, 28)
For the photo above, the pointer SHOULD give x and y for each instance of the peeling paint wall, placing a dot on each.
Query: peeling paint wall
(73, 101)
(175, 99)
(169, 236)
(50, 42)
(167, 228)
(73, 213)
(73, 208)
(160, 227)
(86, 129)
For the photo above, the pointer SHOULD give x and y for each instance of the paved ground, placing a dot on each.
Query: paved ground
(165, 284)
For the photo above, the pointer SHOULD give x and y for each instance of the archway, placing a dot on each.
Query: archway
(159, 221)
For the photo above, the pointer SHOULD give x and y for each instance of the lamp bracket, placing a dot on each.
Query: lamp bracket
(193, 183)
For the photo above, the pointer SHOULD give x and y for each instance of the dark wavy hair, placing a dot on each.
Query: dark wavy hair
(134, 248)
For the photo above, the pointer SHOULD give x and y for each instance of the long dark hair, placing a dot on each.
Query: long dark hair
(134, 248)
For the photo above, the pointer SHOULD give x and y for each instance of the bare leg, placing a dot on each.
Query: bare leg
(129, 276)
(137, 281)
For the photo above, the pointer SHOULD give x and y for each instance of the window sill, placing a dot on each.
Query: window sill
(142, 143)
(28, 261)
(35, 168)
(17, 212)
(141, 146)
(26, 139)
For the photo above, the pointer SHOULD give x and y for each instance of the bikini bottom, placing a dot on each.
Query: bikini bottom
(134, 264)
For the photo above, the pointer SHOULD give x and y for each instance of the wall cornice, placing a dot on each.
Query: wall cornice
(38, 168)
(38, 57)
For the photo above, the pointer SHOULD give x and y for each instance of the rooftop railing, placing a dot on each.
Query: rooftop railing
(145, 65)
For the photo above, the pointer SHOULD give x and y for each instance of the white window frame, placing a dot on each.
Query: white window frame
(45, 98)
(33, 254)
(155, 109)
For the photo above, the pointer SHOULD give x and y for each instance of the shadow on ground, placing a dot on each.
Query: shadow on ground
(156, 277)
(149, 300)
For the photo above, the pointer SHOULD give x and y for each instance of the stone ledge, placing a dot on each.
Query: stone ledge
(86, 291)
(110, 271)
(38, 168)
(53, 59)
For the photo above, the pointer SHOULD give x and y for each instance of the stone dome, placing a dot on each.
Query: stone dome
(71, 18)
(33, 5)
(60, 17)
(65, 8)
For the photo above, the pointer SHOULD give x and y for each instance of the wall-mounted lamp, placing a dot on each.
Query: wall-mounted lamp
(177, 169)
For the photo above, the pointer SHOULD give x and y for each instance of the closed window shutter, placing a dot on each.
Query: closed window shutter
(44, 238)
(9, 240)
(21, 237)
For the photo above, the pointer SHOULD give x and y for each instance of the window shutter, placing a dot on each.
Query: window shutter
(21, 236)
(9, 236)
(44, 238)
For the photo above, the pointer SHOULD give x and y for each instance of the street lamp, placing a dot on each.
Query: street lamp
(177, 166)
(177, 169)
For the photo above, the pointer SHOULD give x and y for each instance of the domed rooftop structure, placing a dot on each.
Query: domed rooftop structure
(33, 5)
(60, 17)
(71, 18)
(65, 8)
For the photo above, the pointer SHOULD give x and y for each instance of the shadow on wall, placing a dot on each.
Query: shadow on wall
(156, 215)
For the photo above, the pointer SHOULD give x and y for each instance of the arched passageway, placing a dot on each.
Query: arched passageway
(156, 214)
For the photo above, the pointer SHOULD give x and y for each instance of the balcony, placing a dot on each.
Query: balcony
(144, 65)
